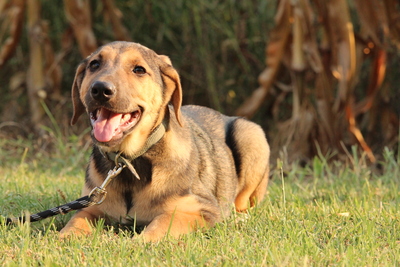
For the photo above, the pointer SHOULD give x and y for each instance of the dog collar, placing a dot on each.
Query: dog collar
(118, 159)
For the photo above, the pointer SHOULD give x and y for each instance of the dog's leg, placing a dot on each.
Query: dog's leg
(181, 216)
(253, 193)
(174, 225)
(259, 193)
(252, 152)
(80, 224)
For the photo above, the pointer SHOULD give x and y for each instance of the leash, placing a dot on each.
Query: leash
(98, 194)
(95, 197)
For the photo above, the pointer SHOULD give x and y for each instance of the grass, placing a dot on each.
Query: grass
(325, 214)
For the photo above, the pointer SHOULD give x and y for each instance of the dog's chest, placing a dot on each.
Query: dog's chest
(126, 209)
(130, 198)
(129, 204)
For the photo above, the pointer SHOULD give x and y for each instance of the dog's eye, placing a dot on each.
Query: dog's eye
(94, 65)
(139, 70)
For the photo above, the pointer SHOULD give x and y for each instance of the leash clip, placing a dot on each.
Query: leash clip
(100, 191)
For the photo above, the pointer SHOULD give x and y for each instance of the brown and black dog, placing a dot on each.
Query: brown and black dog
(188, 164)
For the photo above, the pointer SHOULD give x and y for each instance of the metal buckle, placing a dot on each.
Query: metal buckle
(100, 191)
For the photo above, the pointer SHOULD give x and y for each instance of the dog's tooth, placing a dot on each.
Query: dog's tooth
(125, 117)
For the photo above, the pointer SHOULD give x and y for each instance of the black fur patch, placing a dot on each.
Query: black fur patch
(127, 182)
(231, 142)
(101, 164)
(88, 182)
(128, 200)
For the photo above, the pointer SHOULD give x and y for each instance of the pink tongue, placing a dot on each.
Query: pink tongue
(106, 125)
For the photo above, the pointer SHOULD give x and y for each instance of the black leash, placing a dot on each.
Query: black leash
(98, 194)
(96, 197)
(80, 203)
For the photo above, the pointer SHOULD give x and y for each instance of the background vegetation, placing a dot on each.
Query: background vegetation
(318, 76)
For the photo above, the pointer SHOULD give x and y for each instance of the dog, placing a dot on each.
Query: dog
(188, 165)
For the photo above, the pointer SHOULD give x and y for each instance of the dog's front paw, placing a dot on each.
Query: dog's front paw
(79, 225)
(67, 232)
(148, 237)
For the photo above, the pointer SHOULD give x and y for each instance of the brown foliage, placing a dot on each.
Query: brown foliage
(115, 15)
(324, 73)
(79, 16)
(275, 51)
(314, 81)
(35, 77)
(11, 16)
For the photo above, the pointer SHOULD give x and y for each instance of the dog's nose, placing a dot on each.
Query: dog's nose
(102, 91)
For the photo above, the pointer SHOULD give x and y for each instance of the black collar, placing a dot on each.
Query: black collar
(117, 158)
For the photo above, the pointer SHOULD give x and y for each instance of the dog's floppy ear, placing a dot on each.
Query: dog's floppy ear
(173, 86)
(79, 108)
(166, 59)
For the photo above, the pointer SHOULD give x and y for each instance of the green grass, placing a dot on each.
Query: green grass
(326, 214)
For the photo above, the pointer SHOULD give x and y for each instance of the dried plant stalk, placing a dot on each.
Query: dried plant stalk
(373, 20)
(377, 76)
(392, 14)
(275, 51)
(79, 16)
(357, 133)
(115, 15)
(323, 73)
(12, 13)
(35, 75)
(343, 48)
(52, 68)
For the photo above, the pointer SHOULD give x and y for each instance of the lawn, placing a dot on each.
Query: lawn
(340, 214)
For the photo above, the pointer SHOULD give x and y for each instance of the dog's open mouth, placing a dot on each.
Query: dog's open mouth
(109, 125)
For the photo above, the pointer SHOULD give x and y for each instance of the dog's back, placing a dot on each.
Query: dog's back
(248, 147)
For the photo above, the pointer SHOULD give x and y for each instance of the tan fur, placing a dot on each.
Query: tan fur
(189, 179)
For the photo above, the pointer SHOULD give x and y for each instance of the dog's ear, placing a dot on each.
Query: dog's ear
(165, 59)
(79, 108)
(173, 86)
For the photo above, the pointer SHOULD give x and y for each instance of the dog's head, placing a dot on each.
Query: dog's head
(125, 88)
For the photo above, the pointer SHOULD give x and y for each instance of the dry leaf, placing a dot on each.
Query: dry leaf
(115, 15)
(275, 51)
(12, 16)
(79, 16)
